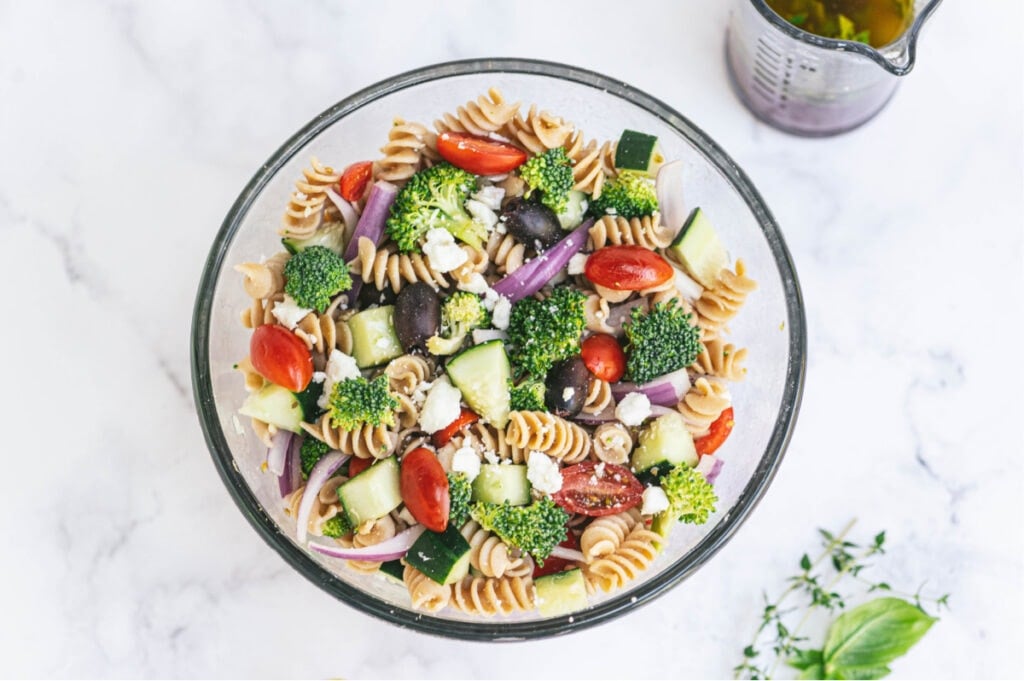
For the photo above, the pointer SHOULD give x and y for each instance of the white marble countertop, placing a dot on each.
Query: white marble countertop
(126, 131)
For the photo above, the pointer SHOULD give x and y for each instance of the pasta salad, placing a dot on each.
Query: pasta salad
(492, 365)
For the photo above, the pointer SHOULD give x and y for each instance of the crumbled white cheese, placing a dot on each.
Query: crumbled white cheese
(490, 298)
(500, 228)
(466, 460)
(577, 263)
(288, 313)
(474, 284)
(441, 406)
(419, 394)
(655, 501)
(612, 439)
(339, 368)
(490, 197)
(319, 377)
(482, 214)
(633, 409)
(406, 515)
(599, 470)
(543, 473)
(491, 457)
(568, 393)
(501, 313)
(445, 255)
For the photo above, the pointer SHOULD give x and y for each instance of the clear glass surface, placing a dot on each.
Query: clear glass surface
(771, 325)
(810, 85)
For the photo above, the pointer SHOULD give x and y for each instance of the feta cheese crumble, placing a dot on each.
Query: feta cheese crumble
(441, 406)
(633, 409)
(490, 197)
(655, 501)
(474, 284)
(543, 473)
(339, 368)
(482, 214)
(445, 255)
(288, 313)
(568, 393)
(577, 263)
(501, 313)
(466, 460)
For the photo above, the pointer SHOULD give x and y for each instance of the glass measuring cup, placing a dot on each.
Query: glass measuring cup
(809, 85)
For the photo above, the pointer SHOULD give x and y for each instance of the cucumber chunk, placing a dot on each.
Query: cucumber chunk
(330, 235)
(275, 405)
(394, 570)
(638, 151)
(498, 483)
(482, 375)
(373, 493)
(576, 208)
(698, 249)
(441, 556)
(561, 593)
(664, 443)
(374, 340)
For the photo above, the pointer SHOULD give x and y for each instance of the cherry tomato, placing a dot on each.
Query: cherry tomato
(627, 268)
(604, 357)
(280, 357)
(424, 487)
(583, 491)
(553, 565)
(465, 417)
(479, 155)
(357, 465)
(717, 433)
(354, 180)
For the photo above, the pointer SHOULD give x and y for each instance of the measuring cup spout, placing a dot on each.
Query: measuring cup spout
(898, 58)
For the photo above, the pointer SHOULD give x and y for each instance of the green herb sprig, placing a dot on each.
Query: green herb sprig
(860, 642)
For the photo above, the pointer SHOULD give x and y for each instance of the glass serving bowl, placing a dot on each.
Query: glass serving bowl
(771, 324)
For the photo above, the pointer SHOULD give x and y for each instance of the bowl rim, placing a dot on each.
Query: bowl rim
(485, 630)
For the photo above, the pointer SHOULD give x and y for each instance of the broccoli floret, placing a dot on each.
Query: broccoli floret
(549, 173)
(542, 332)
(311, 451)
(528, 396)
(356, 401)
(660, 341)
(535, 529)
(338, 526)
(630, 195)
(434, 197)
(691, 497)
(459, 491)
(461, 313)
(314, 276)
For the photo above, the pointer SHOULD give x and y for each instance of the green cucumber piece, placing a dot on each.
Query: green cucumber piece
(307, 400)
(561, 593)
(373, 493)
(275, 405)
(393, 569)
(664, 443)
(662, 523)
(638, 151)
(698, 249)
(374, 340)
(575, 209)
(498, 483)
(482, 374)
(441, 556)
(331, 236)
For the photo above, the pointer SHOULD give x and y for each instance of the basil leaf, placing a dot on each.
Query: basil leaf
(805, 659)
(815, 671)
(862, 673)
(863, 640)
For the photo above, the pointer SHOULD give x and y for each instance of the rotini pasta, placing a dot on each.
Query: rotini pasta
(264, 279)
(505, 252)
(635, 554)
(612, 443)
(425, 593)
(546, 433)
(646, 231)
(407, 373)
(722, 360)
(490, 555)
(702, 404)
(404, 151)
(592, 164)
(365, 442)
(489, 596)
(596, 311)
(605, 534)
(384, 267)
(538, 131)
(308, 206)
(599, 397)
(373, 532)
(720, 303)
(486, 114)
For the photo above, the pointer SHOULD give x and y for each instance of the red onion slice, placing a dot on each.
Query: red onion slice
(277, 451)
(665, 390)
(669, 188)
(567, 554)
(321, 472)
(710, 466)
(347, 210)
(291, 478)
(690, 289)
(532, 276)
(375, 214)
(391, 549)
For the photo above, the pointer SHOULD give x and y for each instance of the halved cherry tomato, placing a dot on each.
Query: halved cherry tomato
(354, 180)
(603, 355)
(479, 155)
(424, 488)
(465, 417)
(357, 465)
(553, 565)
(627, 268)
(583, 491)
(280, 357)
(718, 432)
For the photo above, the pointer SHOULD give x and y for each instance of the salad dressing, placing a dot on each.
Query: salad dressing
(873, 22)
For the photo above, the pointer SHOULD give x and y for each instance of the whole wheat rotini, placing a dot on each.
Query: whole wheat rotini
(385, 267)
(647, 231)
(702, 405)
(546, 433)
(308, 206)
(366, 442)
